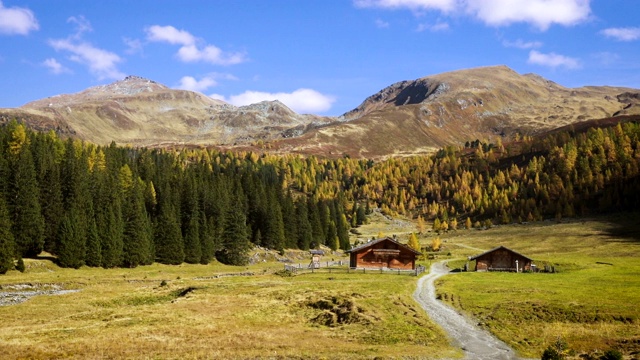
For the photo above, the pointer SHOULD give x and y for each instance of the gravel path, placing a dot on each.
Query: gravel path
(476, 343)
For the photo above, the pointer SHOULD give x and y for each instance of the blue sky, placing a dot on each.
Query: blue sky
(317, 56)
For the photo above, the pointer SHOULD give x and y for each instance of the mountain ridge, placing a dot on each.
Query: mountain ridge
(407, 117)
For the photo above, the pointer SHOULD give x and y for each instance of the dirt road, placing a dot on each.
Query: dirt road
(476, 343)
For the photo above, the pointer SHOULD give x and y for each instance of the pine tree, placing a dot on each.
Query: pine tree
(413, 242)
(361, 215)
(273, 237)
(71, 243)
(332, 240)
(207, 239)
(168, 238)
(111, 230)
(290, 222)
(235, 236)
(24, 193)
(305, 232)
(192, 243)
(7, 245)
(316, 225)
(342, 229)
(137, 228)
(48, 151)
(94, 247)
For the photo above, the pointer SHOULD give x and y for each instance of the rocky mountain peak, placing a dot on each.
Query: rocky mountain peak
(130, 85)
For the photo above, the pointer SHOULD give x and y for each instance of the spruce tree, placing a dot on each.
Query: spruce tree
(7, 245)
(207, 239)
(137, 228)
(111, 230)
(47, 152)
(168, 238)
(273, 237)
(24, 194)
(305, 232)
(235, 236)
(316, 226)
(94, 248)
(71, 243)
(289, 217)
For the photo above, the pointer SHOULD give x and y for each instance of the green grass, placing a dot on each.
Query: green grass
(126, 313)
(592, 302)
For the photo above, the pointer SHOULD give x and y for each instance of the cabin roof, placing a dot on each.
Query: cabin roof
(375, 241)
(498, 248)
(316, 252)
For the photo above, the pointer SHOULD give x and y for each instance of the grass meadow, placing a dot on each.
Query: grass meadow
(592, 302)
(127, 314)
(201, 311)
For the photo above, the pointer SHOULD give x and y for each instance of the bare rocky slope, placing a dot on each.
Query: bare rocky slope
(408, 117)
(139, 111)
(420, 116)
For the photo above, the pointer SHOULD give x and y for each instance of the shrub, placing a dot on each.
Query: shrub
(611, 354)
(20, 266)
(555, 351)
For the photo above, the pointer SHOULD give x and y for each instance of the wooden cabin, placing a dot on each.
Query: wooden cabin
(384, 253)
(316, 255)
(502, 259)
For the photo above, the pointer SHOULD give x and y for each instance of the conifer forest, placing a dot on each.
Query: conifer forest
(118, 206)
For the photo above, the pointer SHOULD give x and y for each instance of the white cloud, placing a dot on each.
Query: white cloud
(300, 101)
(218, 97)
(382, 24)
(210, 54)
(606, 58)
(17, 20)
(169, 34)
(101, 63)
(439, 26)
(54, 66)
(134, 46)
(552, 60)
(190, 83)
(191, 49)
(442, 5)
(82, 25)
(540, 13)
(622, 34)
(521, 44)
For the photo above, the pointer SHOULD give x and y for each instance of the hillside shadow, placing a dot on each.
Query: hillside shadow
(624, 227)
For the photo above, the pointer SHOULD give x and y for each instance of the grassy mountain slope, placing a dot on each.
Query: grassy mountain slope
(421, 115)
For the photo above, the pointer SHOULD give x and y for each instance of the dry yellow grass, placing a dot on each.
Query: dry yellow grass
(127, 314)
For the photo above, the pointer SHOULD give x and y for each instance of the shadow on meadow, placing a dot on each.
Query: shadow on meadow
(624, 227)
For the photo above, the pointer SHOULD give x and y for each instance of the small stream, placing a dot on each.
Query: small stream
(19, 293)
(476, 343)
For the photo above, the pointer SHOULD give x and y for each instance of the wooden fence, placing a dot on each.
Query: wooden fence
(338, 268)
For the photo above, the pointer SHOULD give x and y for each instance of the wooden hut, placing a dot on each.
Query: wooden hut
(315, 258)
(384, 253)
(502, 259)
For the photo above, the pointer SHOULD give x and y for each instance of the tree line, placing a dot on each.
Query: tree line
(120, 206)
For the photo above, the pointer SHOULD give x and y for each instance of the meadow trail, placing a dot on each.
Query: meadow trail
(476, 343)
